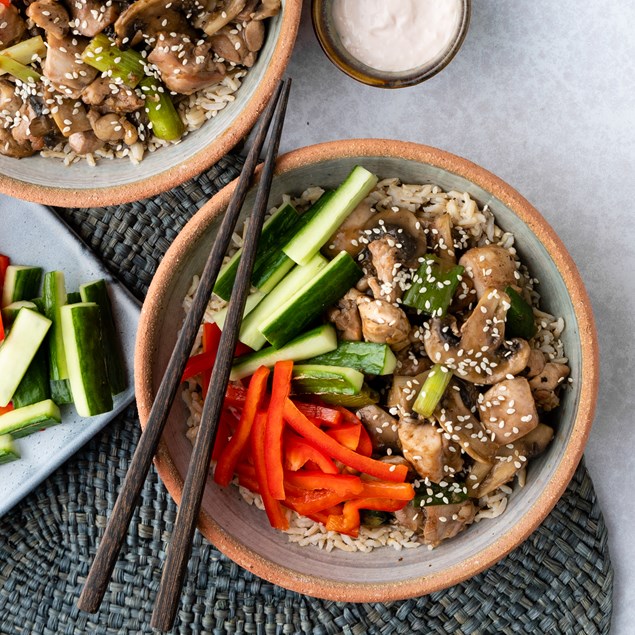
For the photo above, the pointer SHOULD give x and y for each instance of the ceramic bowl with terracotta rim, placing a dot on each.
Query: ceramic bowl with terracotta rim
(242, 531)
(49, 181)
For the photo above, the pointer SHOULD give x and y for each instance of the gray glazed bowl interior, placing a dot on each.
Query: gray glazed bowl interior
(249, 526)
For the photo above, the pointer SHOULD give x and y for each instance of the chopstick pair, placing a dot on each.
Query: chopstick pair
(175, 566)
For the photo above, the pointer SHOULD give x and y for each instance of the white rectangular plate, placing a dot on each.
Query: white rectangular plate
(31, 234)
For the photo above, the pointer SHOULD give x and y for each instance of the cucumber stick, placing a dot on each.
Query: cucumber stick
(367, 357)
(314, 234)
(8, 449)
(320, 340)
(61, 391)
(297, 278)
(252, 301)
(10, 312)
(365, 397)
(54, 298)
(271, 263)
(317, 379)
(23, 421)
(34, 386)
(21, 283)
(310, 301)
(19, 349)
(98, 292)
(85, 358)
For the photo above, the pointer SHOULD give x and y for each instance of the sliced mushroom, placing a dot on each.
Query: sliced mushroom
(64, 66)
(478, 352)
(385, 257)
(70, 116)
(536, 363)
(489, 267)
(347, 235)
(460, 425)
(440, 237)
(91, 17)
(345, 316)
(10, 102)
(383, 323)
(508, 410)
(106, 95)
(223, 13)
(545, 386)
(107, 127)
(12, 26)
(411, 362)
(30, 126)
(267, 9)
(403, 392)
(440, 522)
(410, 517)
(510, 459)
(185, 66)
(85, 142)
(381, 427)
(11, 148)
(425, 446)
(49, 15)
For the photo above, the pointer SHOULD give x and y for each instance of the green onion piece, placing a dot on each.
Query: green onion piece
(24, 52)
(102, 54)
(427, 494)
(19, 71)
(433, 286)
(432, 390)
(165, 120)
(520, 316)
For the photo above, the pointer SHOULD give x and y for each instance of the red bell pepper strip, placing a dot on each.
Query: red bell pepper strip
(4, 263)
(211, 340)
(275, 424)
(365, 445)
(5, 409)
(312, 501)
(242, 349)
(347, 435)
(343, 484)
(229, 458)
(325, 415)
(382, 489)
(348, 521)
(297, 452)
(226, 423)
(198, 364)
(273, 508)
(323, 516)
(322, 441)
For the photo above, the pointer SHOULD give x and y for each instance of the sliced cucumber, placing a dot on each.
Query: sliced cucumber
(21, 283)
(85, 358)
(73, 297)
(54, 298)
(365, 397)
(367, 357)
(320, 340)
(10, 312)
(310, 239)
(308, 304)
(8, 449)
(34, 386)
(23, 421)
(317, 207)
(253, 300)
(61, 392)
(271, 264)
(19, 349)
(316, 379)
(97, 292)
(297, 278)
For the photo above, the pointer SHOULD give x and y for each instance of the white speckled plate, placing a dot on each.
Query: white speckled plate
(33, 235)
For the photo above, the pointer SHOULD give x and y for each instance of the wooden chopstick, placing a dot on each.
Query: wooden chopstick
(117, 528)
(175, 568)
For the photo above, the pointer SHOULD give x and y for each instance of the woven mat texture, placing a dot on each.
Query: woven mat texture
(559, 581)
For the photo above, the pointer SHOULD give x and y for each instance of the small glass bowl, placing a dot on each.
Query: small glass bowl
(322, 14)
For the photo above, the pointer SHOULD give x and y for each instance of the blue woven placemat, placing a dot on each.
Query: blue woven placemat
(558, 581)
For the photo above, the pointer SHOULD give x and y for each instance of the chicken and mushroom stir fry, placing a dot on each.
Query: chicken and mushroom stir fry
(468, 403)
(117, 77)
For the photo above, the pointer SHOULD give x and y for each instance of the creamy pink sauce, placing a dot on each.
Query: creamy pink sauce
(396, 35)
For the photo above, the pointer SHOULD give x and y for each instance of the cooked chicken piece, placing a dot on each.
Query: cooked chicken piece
(106, 95)
(9, 101)
(12, 26)
(69, 115)
(146, 19)
(267, 9)
(64, 66)
(403, 392)
(490, 267)
(536, 363)
(345, 316)
(347, 235)
(239, 47)
(441, 522)
(432, 455)
(411, 361)
(49, 15)
(381, 427)
(185, 67)
(92, 16)
(84, 142)
(385, 259)
(383, 323)
(11, 148)
(508, 410)
(410, 517)
(545, 386)
(31, 126)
